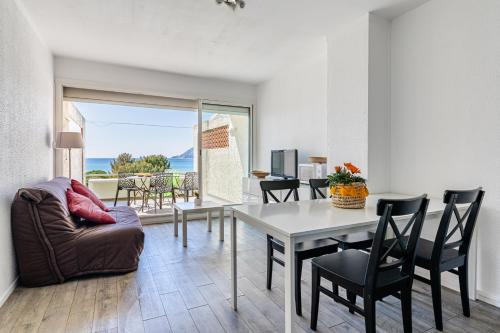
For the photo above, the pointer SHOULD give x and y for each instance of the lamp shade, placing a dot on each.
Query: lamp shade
(69, 140)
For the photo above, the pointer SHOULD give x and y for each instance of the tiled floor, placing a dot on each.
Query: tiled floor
(180, 289)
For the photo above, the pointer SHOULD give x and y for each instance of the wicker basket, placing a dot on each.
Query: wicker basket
(350, 196)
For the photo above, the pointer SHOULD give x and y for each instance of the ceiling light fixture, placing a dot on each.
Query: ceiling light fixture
(232, 3)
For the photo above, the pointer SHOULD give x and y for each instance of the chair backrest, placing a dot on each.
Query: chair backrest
(316, 185)
(387, 209)
(267, 186)
(162, 182)
(125, 180)
(190, 182)
(464, 223)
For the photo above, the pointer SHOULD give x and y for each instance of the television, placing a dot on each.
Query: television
(284, 163)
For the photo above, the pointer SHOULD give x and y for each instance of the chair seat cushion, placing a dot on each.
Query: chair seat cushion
(356, 240)
(349, 268)
(424, 252)
(313, 247)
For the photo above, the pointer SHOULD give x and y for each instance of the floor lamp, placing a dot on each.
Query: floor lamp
(69, 140)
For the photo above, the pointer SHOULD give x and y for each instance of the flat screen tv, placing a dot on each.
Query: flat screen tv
(284, 163)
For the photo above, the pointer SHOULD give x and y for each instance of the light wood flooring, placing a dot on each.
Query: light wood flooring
(180, 289)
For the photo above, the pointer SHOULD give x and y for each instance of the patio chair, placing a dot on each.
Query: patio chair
(126, 183)
(190, 183)
(160, 184)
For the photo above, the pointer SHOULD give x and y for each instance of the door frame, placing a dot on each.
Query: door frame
(200, 130)
(58, 115)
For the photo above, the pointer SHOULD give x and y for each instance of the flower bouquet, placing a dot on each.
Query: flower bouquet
(347, 187)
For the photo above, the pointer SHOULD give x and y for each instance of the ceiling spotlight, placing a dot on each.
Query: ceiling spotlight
(232, 3)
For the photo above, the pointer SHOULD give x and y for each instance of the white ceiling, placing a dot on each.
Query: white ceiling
(196, 37)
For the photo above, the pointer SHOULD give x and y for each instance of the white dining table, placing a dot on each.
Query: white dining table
(298, 221)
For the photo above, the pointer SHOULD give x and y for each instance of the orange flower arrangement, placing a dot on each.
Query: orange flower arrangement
(351, 167)
(346, 181)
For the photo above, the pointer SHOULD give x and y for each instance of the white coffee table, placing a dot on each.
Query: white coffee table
(207, 207)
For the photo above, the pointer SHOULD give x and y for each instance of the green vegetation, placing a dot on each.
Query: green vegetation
(345, 175)
(124, 163)
(97, 172)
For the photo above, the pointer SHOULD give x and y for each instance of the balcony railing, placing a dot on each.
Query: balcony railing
(105, 185)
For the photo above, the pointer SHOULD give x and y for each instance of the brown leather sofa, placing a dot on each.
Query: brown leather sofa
(52, 246)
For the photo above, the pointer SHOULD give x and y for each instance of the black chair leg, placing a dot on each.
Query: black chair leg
(464, 288)
(436, 299)
(370, 323)
(161, 200)
(335, 290)
(270, 253)
(315, 297)
(298, 290)
(116, 197)
(406, 309)
(128, 197)
(351, 297)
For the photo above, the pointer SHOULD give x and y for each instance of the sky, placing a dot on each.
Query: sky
(147, 131)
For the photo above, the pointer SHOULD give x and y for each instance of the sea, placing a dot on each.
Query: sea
(176, 164)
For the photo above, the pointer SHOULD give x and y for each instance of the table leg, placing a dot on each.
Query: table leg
(184, 229)
(221, 224)
(289, 283)
(176, 222)
(209, 221)
(234, 282)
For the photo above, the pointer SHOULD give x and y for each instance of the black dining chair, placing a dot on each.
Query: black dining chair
(126, 183)
(450, 249)
(357, 240)
(304, 250)
(372, 275)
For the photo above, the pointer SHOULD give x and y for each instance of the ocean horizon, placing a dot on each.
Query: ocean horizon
(104, 163)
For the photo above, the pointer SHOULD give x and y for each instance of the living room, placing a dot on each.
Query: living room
(405, 90)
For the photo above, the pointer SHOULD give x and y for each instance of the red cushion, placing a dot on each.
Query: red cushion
(86, 192)
(83, 207)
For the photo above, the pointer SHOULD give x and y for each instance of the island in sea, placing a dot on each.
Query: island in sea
(180, 163)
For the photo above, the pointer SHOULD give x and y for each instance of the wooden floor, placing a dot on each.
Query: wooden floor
(180, 289)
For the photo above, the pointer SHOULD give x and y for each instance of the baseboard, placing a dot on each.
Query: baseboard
(490, 299)
(8, 292)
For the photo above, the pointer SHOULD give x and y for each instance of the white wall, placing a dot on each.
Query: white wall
(445, 112)
(347, 117)
(26, 113)
(358, 99)
(291, 109)
(379, 104)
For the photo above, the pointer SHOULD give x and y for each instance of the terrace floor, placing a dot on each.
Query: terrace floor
(180, 289)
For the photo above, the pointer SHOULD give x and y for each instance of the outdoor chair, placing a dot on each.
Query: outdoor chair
(126, 183)
(190, 183)
(159, 185)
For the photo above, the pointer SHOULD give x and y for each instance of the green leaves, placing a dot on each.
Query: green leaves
(124, 163)
(344, 176)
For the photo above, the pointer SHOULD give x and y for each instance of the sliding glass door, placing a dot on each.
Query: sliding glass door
(225, 151)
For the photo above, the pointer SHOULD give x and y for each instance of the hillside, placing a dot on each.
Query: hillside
(187, 154)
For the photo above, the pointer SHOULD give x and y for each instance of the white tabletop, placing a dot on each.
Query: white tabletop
(299, 218)
(190, 206)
